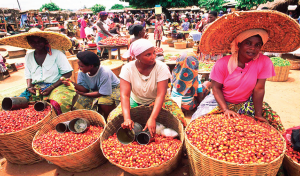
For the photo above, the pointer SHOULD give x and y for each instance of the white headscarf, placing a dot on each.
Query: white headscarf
(233, 61)
(137, 48)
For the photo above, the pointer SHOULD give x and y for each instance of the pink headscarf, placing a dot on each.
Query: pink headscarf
(137, 48)
(233, 61)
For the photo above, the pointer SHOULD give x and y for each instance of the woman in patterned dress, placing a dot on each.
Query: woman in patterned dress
(158, 31)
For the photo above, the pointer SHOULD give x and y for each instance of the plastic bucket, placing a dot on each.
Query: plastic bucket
(40, 106)
(127, 136)
(12, 103)
(62, 127)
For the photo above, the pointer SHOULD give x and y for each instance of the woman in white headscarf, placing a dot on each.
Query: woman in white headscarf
(144, 82)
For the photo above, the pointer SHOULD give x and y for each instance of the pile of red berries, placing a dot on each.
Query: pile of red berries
(241, 140)
(16, 120)
(295, 155)
(114, 41)
(140, 156)
(58, 144)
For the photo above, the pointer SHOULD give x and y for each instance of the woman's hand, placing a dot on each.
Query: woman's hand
(261, 119)
(151, 125)
(229, 113)
(146, 36)
(47, 91)
(128, 123)
(66, 81)
(80, 93)
(32, 90)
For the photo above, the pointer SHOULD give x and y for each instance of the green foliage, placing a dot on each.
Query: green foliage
(50, 6)
(98, 8)
(214, 5)
(250, 3)
(117, 6)
(163, 3)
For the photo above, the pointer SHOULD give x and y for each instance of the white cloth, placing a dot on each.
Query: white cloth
(51, 70)
(144, 88)
(137, 48)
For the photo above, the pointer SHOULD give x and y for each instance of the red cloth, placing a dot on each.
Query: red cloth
(288, 133)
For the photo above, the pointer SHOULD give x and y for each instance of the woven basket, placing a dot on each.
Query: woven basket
(165, 118)
(292, 167)
(164, 42)
(115, 66)
(282, 74)
(83, 160)
(295, 64)
(16, 146)
(169, 40)
(180, 45)
(190, 45)
(171, 44)
(201, 164)
(189, 40)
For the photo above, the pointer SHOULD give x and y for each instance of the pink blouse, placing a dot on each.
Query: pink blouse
(239, 86)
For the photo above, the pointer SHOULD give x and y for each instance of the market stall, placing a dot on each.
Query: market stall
(9, 17)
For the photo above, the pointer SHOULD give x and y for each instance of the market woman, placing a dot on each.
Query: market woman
(82, 22)
(238, 80)
(144, 82)
(138, 31)
(45, 66)
(103, 29)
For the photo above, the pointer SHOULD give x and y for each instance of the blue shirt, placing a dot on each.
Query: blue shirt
(103, 81)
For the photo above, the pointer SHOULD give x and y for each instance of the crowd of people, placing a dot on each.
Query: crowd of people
(236, 80)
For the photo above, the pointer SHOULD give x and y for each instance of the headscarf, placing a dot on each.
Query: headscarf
(135, 29)
(233, 61)
(103, 13)
(185, 74)
(137, 48)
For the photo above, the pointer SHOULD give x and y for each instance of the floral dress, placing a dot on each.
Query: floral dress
(158, 30)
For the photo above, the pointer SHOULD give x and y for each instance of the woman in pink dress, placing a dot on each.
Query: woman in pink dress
(83, 25)
(159, 31)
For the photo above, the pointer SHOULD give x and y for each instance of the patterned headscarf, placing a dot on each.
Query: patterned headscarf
(185, 75)
(233, 61)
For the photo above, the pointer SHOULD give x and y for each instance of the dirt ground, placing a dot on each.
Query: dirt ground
(283, 97)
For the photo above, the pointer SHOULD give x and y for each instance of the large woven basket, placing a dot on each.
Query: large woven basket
(282, 74)
(141, 114)
(16, 146)
(114, 65)
(180, 45)
(292, 167)
(83, 160)
(201, 164)
(295, 64)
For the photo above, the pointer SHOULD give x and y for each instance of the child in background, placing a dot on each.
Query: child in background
(96, 85)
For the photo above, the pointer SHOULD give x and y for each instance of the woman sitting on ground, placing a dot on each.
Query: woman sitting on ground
(97, 86)
(45, 66)
(186, 83)
(144, 82)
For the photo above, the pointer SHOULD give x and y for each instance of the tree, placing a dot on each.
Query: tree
(117, 6)
(214, 5)
(250, 3)
(164, 3)
(98, 8)
(50, 6)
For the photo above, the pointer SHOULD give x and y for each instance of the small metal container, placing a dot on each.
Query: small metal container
(62, 127)
(144, 138)
(127, 136)
(12, 103)
(78, 125)
(40, 105)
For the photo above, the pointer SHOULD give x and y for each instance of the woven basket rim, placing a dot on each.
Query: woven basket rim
(3, 134)
(113, 60)
(231, 19)
(236, 164)
(140, 169)
(36, 135)
(298, 164)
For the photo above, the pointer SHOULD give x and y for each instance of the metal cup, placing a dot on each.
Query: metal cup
(62, 127)
(78, 125)
(12, 103)
(40, 105)
(127, 136)
(144, 138)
